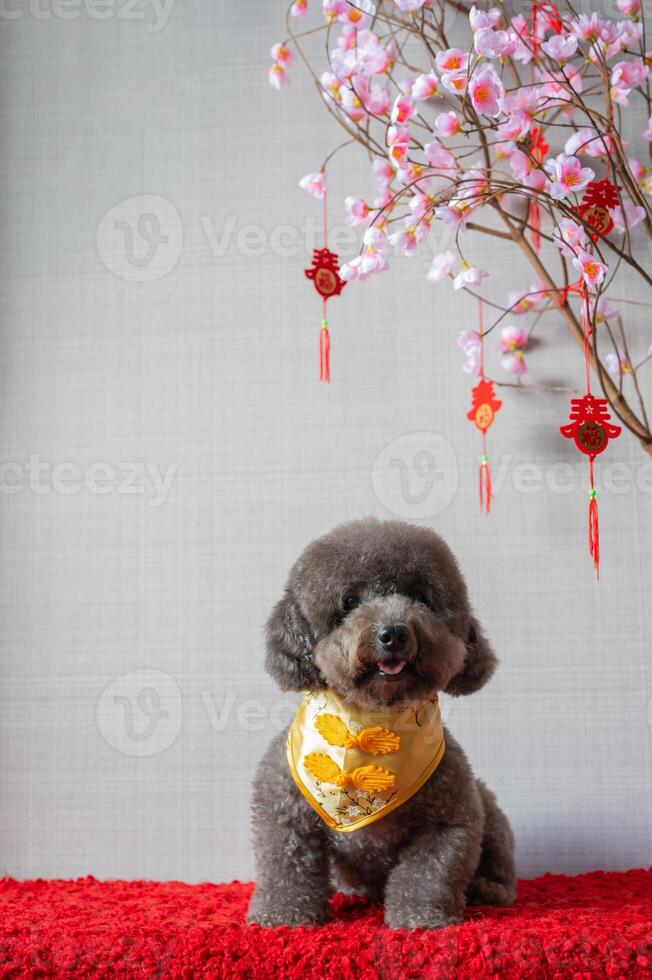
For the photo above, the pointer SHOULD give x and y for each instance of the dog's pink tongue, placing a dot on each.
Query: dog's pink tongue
(393, 668)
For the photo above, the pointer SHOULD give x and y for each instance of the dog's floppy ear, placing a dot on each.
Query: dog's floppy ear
(289, 644)
(479, 663)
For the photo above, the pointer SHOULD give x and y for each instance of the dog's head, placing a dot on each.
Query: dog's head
(378, 611)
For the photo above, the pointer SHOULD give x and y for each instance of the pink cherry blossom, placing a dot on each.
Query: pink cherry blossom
(629, 7)
(357, 210)
(494, 44)
(586, 141)
(516, 126)
(617, 364)
(471, 366)
(398, 141)
(524, 42)
(377, 100)
(421, 205)
(555, 85)
(587, 28)
(454, 215)
(527, 302)
(486, 91)
(330, 85)
(439, 157)
(629, 74)
(471, 188)
(625, 76)
(362, 266)
(632, 216)
(344, 62)
(315, 184)
(536, 180)
(375, 237)
(403, 109)
(452, 60)
(560, 47)
(592, 270)
(469, 275)
(299, 8)
(505, 150)
(406, 240)
(352, 105)
(637, 169)
(372, 57)
(357, 13)
(570, 238)
(372, 260)
(455, 81)
(512, 342)
(382, 171)
(281, 53)
(469, 342)
(277, 76)
(425, 86)
(442, 266)
(383, 200)
(333, 8)
(520, 164)
(412, 174)
(479, 20)
(603, 312)
(447, 124)
(567, 176)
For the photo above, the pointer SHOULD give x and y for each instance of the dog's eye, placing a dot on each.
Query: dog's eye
(417, 596)
(350, 602)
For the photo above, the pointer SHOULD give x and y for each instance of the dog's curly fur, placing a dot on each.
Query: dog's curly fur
(447, 845)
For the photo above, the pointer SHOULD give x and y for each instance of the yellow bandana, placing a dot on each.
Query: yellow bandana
(354, 765)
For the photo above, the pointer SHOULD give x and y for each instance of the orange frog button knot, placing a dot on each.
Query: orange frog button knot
(374, 739)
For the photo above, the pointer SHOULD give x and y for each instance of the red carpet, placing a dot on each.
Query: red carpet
(596, 925)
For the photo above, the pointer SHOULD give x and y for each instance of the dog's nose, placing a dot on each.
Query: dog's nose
(393, 638)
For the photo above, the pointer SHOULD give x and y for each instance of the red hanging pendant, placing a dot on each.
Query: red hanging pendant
(590, 426)
(599, 196)
(325, 274)
(484, 406)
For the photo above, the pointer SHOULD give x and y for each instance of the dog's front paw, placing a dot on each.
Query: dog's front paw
(420, 916)
(276, 910)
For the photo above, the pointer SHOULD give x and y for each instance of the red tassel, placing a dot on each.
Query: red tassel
(594, 533)
(534, 221)
(324, 352)
(594, 530)
(484, 485)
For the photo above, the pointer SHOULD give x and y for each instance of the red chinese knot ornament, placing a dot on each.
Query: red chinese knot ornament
(484, 406)
(590, 426)
(599, 197)
(325, 275)
(591, 429)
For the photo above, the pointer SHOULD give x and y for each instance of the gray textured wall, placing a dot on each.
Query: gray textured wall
(182, 453)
